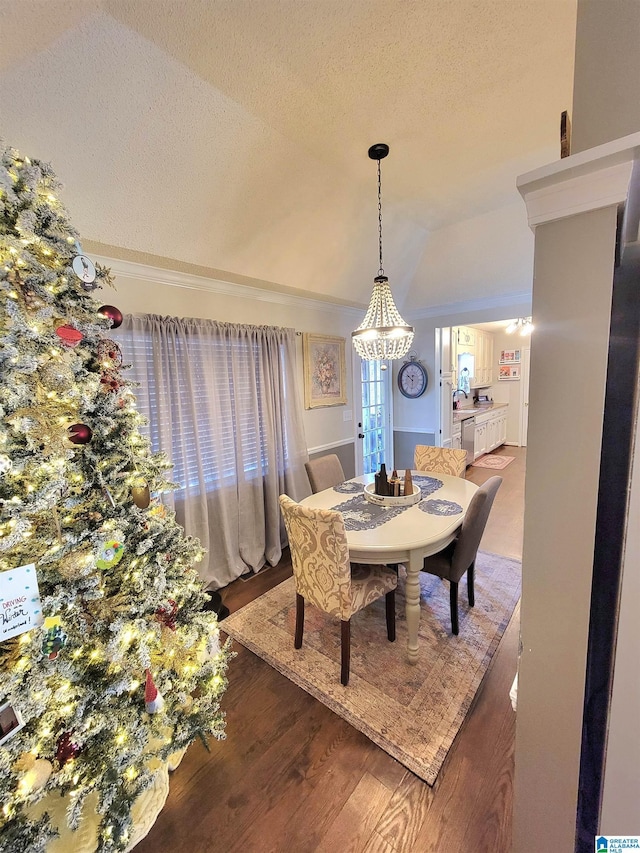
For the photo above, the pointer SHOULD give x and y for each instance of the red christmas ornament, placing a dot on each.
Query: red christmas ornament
(111, 313)
(110, 381)
(80, 433)
(66, 748)
(109, 351)
(167, 614)
(69, 336)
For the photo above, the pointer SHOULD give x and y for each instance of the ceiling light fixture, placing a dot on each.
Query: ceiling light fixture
(523, 324)
(383, 334)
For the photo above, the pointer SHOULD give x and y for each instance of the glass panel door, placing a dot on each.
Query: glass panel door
(375, 424)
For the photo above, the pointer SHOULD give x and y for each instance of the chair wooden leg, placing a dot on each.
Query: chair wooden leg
(453, 597)
(299, 621)
(390, 601)
(345, 646)
(471, 573)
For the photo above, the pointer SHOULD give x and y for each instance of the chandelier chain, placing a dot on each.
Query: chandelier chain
(383, 335)
(380, 270)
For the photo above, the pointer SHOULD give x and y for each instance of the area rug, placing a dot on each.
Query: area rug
(411, 712)
(496, 462)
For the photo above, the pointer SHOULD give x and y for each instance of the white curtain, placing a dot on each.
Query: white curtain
(223, 404)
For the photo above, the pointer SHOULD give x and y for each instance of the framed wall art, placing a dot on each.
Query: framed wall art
(10, 721)
(509, 356)
(509, 371)
(325, 382)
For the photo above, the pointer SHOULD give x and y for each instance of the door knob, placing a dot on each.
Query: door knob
(360, 435)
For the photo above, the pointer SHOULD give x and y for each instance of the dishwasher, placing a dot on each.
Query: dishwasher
(468, 438)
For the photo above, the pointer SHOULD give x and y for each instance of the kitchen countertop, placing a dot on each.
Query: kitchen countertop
(471, 411)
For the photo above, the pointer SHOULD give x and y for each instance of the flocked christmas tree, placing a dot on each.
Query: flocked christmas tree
(114, 665)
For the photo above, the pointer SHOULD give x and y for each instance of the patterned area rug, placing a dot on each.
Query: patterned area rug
(496, 462)
(412, 712)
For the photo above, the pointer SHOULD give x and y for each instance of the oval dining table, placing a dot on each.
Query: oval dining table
(407, 536)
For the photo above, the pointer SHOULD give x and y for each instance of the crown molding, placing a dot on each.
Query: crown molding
(453, 308)
(596, 178)
(190, 281)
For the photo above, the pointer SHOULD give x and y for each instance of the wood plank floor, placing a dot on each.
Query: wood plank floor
(293, 777)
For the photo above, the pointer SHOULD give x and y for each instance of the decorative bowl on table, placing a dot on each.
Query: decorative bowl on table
(388, 500)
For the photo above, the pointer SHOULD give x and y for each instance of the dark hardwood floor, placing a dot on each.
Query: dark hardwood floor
(293, 777)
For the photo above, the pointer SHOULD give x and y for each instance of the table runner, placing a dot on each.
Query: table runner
(359, 514)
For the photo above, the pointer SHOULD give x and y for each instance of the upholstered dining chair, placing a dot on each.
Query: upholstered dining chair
(440, 460)
(324, 577)
(324, 472)
(460, 555)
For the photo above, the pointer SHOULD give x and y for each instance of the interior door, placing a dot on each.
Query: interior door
(375, 425)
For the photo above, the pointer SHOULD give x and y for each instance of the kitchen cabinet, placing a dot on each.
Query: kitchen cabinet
(490, 431)
(478, 345)
(465, 337)
(446, 406)
(484, 359)
(480, 440)
(456, 436)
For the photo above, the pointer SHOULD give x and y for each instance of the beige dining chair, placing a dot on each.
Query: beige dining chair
(440, 460)
(460, 555)
(325, 472)
(324, 577)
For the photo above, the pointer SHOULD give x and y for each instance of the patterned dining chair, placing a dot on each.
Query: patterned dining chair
(460, 555)
(325, 472)
(324, 577)
(440, 460)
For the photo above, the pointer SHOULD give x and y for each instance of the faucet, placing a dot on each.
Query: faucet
(460, 391)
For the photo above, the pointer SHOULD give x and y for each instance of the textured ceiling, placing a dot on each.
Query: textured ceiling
(234, 135)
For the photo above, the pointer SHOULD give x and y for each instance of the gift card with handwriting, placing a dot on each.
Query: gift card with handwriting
(20, 607)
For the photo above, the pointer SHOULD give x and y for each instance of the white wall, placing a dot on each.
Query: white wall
(607, 72)
(490, 254)
(571, 305)
(151, 290)
(509, 391)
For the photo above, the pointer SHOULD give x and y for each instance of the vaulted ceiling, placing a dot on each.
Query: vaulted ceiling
(233, 134)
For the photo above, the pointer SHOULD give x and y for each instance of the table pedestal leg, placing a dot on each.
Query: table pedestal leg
(412, 592)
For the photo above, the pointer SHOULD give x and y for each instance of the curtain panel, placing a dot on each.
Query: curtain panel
(222, 402)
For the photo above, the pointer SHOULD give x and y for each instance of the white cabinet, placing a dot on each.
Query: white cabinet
(466, 337)
(481, 369)
(478, 345)
(446, 406)
(456, 436)
(490, 431)
(484, 358)
(488, 358)
(480, 440)
(502, 437)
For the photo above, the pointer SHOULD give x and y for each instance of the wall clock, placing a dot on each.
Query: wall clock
(412, 378)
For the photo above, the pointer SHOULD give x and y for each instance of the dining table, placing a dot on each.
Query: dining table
(392, 535)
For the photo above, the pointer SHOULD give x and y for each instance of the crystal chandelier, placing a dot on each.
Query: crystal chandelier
(523, 324)
(383, 334)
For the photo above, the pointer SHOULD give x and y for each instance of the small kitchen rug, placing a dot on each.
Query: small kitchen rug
(412, 712)
(495, 462)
